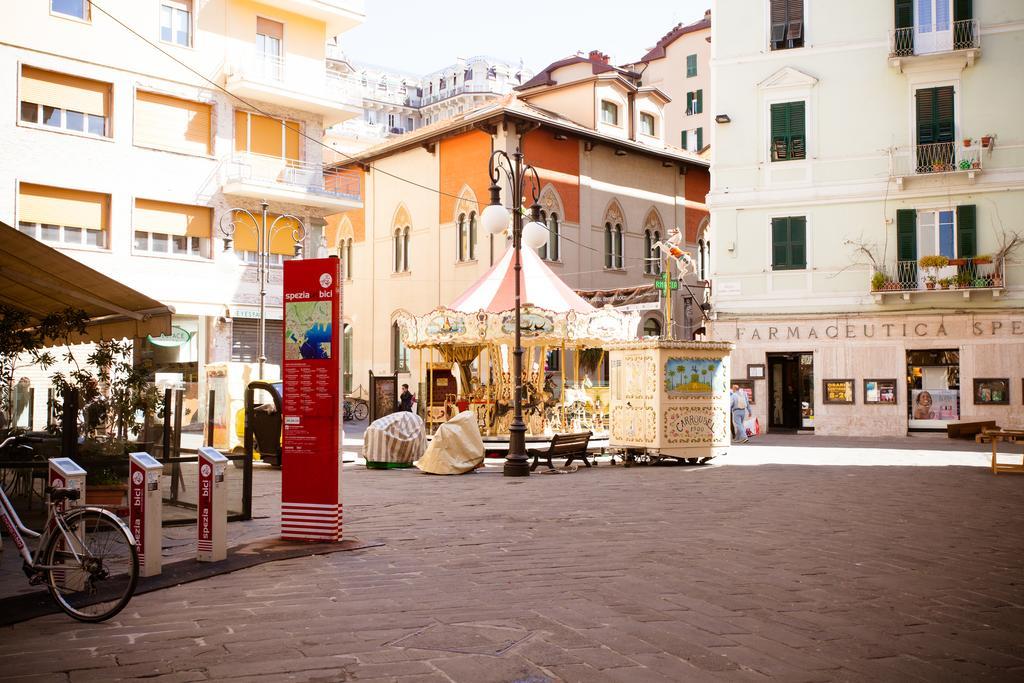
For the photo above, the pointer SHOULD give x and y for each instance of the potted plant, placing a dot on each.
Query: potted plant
(931, 264)
(983, 259)
(986, 141)
(944, 283)
(980, 282)
(967, 142)
(105, 461)
(929, 282)
(963, 280)
(877, 280)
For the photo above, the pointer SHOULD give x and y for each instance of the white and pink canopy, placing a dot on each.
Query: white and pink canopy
(552, 313)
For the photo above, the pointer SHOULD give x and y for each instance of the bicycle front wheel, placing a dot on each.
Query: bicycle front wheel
(360, 411)
(92, 570)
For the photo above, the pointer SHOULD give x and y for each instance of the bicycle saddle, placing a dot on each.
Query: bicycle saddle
(57, 495)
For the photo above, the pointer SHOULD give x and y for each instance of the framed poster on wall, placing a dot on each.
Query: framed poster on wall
(880, 391)
(755, 371)
(837, 391)
(747, 387)
(383, 395)
(991, 391)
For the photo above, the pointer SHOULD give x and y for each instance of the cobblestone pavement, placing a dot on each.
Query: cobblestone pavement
(790, 572)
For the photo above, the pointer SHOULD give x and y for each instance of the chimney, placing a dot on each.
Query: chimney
(598, 56)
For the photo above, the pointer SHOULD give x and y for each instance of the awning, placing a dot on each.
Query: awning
(40, 280)
(638, 298)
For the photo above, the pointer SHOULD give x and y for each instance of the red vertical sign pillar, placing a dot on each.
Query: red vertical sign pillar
(311, 448)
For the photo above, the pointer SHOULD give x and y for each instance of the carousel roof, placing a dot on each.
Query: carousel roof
(539, 286)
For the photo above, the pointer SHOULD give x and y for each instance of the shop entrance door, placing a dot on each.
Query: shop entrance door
(790, 391)
(933, 389)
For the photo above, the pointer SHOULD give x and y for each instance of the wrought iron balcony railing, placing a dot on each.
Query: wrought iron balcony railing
(938, 157)
(934, 38)
(977, 273)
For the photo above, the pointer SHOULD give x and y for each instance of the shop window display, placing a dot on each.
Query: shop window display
(933, 383)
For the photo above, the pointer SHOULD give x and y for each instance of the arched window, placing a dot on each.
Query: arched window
(543, 250)
(346, 357)
(461, 238)
(648, 252)
(345, 251)
(399, 351)
(700, 259)
(652, 328)
(618, 245)
(609, 250)
(656, 253)
(398, 250)
(472, 235)
(554, 245)
(405, 249)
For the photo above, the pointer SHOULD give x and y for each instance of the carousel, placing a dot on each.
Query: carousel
(466, 350)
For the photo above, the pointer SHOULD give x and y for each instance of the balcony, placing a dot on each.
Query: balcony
(338, 15)
(296, 182)
(927, 42)
(298, 84)
(940, 158)
(907, 279)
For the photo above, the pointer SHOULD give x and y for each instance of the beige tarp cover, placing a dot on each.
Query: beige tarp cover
(456, 447)
(40, 280)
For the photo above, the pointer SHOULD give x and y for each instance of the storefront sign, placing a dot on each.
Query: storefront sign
(837, 390)
(311, 448)
(947, 327)
(179, 336)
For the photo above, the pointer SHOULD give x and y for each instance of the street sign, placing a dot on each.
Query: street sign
(663, 280)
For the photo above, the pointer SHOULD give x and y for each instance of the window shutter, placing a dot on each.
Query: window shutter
(172, 219)
(699, 104)
(691, 65)
(64, 92)
(963, 10)
(904, 13)
(944, 114)
(59, 206)
(689, 103)
(780, 243)
(700, 139)
(798, 242)
(925, 116)
(966, 231)
(906, 235)
(778, 20)
(172, 123)
(682, 140)
(797, 145)
(780, 130)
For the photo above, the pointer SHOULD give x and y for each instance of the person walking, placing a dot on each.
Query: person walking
(740, 409)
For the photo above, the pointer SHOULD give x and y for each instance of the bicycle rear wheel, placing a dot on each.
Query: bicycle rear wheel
(360, 411)
(92, 572)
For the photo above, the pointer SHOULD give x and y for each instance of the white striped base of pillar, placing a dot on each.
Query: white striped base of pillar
(311, 522)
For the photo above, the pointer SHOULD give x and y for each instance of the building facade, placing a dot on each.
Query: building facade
(129, 159)
(858, 139)
(606, 193)
(395, 103)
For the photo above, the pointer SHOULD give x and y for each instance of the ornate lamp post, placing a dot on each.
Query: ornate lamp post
(229, 222)
(494, 220)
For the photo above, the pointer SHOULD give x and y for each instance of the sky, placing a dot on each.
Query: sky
(420, 36)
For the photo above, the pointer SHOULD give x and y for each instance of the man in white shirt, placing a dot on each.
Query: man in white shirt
(740, 409)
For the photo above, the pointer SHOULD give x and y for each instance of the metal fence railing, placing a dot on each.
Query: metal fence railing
(968, 273)
(298, 175)
(938, 157)
(933, 38)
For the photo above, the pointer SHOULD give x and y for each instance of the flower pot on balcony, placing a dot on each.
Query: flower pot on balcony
(986, 141)
(957, 262)
(997, 280)
(967, 142)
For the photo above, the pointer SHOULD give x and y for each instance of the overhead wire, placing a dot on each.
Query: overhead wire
(321, 143)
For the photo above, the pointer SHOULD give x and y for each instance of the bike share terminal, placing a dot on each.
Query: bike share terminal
(145, 511)
(65, 473)
(212, 526)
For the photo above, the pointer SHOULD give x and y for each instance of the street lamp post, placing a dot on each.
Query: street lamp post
(264, 234)
(494, 220)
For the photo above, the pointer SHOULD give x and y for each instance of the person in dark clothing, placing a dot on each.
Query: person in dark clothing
(405, 399)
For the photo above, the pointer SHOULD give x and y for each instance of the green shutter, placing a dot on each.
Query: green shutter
(904, 13)
(699, 105)
(904, 39)
(797, 137)
(935, 115)
(691, 65)
(700, 139)
(689, 103)
(682, 140)
(780, 130)
(966, 231)
(944, 122)
(798, 242)
(780, 243)
(906, 235)
(962, 10)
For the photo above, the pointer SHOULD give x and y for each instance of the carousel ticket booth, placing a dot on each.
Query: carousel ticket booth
(466, 354)
(670, 399)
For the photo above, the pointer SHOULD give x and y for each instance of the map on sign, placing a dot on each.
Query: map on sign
(307, 330)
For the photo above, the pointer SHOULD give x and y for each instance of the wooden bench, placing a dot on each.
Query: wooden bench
(568, 446)
(969, 430)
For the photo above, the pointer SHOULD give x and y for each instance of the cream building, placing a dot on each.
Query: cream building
(861, 138)
(609, 187)
(123, 158)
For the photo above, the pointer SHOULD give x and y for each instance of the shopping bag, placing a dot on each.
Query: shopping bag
(752, 426)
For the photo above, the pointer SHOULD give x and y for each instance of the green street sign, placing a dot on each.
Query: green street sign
(663, 280)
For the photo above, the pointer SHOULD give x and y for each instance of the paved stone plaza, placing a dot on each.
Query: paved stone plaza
(794, 572)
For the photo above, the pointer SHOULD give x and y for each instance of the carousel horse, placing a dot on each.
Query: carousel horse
(670, 247)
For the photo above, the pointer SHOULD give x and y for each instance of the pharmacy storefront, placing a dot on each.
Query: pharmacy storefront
(879, 375)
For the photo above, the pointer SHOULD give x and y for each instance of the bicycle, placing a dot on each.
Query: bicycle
(86, 556)
(354, 410)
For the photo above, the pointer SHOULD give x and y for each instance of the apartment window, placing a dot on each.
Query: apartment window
(695, 102)
(462, 238)
(64, 217)
(552, 249)
(652, 328)
(788, 136)
(652, 253)
(701, 260)
(467, 76)
(789, 243)
(269, 39)
(399, 351)
(176, 22)
(492, 73)
(691, 66)
(472, 235)
(173, 229)
(787, 24)
(936, 126)
(947, 232)
(613, 243)
(282, 245)
(924, 26)
(79, 9)
(64, 102)
(609, 112)
(442, 84)
(345, 250)
(683, 140)
(647, 124)
(256, 134)
(401, 250)
(170, 123)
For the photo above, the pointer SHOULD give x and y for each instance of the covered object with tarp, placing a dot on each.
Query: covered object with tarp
(40, 280)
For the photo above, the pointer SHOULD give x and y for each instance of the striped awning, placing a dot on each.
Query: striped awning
(40, 280)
